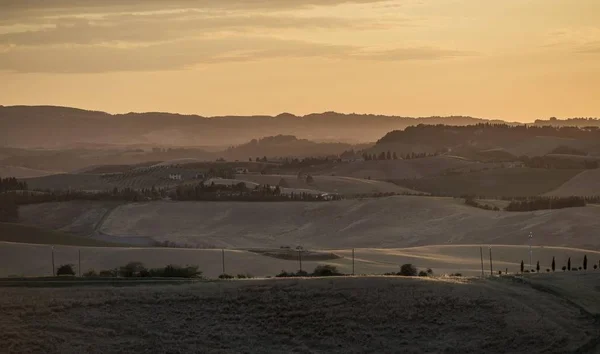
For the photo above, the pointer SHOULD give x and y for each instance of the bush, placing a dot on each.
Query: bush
(226, 276)
(595, 266)
(547, 270)
(65, 269)
(175, 271)
(326, 271)
(108, 273)
(564, 268)
(90, 273)
(423, 273)
(244, 276)
(131, 269)
(456, 275)
(408, 270)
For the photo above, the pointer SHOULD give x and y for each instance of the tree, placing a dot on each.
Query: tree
(395, 156)
(585, 262)
(553, 264)
(65, 269)
(564, 268)
(388, 156)
(522, 266)
(569, 264)
(408, 270)
(595, 266)
(537, 266)
(309, 179)
(326, 271)
(131, 269)
(283, 183)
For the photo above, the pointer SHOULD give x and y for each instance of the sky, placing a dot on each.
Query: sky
(517, 60)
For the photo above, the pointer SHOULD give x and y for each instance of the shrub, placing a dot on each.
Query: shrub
(284, 274)
(408, 270)
(564, 268)
(244, 276)
(456, 275)
(111, 273)
(226, 276)
(175, 271)
(301, 273)
(65, 269)
(90, 273)
(579, 268)
(595, 266)
(429, 272)
(547, 270)
(326, 271)
(131, 269)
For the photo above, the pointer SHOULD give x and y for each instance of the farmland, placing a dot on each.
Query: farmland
(464, 259)
(391, 222)
(341, 315)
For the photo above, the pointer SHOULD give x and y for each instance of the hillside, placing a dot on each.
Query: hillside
(340, 315)
(395, 169)
(497, 182)
(34, 235)
(23, 172)
(587, 183)
(390, 222)
(47, 126)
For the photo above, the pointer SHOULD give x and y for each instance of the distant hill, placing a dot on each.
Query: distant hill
(287, 146)
(49, 126)
(516, 140)
(569, 122)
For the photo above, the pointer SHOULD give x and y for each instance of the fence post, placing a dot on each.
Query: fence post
(79, 254)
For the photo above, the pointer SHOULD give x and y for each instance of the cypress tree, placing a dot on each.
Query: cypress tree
(537, 266)
(522, 266)
(585, 262)
(569, 264)
(553, 264)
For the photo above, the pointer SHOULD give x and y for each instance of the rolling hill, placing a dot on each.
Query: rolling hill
(34, 235)
(390, 222)
(587, 183)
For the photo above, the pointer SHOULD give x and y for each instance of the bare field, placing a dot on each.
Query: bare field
(391, 222)
(587, 183)
(341, 315)
(464, 259)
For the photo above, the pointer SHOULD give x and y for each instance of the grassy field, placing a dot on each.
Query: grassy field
(31, 234)
(341, 315)
(23, 172)
(393, 222)
(509, 182)
(394, 169)
(464, 259)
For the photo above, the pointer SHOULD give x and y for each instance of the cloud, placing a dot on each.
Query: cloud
(418, 53)
(151, 28)
(177, 55)
(156, 57)
(17, 10)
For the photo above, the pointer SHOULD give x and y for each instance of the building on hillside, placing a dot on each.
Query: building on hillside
(241, 170)
(175, 177)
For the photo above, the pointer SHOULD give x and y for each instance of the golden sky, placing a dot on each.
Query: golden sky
(517, 60)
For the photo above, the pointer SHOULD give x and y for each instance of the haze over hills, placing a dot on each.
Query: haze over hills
(51, 127)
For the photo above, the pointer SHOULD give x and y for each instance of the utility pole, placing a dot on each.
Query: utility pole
(79, 253)
(53, 269)
(481, 253)
(299, 248)
(223, 259)
(530, 251)
(353, 261)
(491, 268)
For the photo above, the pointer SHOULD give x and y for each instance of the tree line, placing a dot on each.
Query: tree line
(545, 203)
(12, 184)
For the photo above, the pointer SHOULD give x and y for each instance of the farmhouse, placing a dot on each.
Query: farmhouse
(175, 177)
(241, 170)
